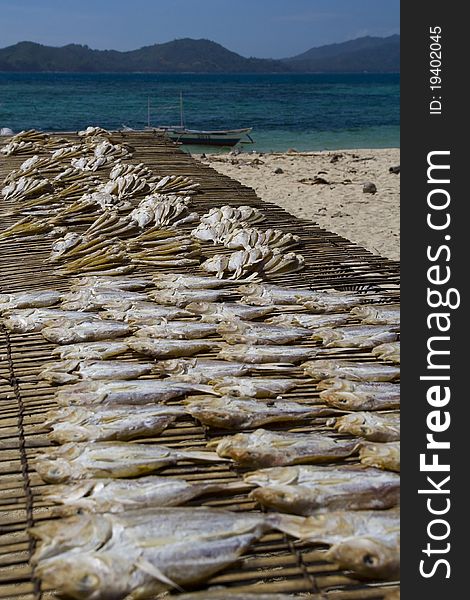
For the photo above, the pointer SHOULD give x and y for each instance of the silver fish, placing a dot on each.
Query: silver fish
(308, 489)
(165, 281)
(110, 460)
(34, 319)
(265, 354)
(266, 294)
(71, 371)
(178, 330)
(203, 370)
(240, 332)
(120, 283)
(119, 495)
(378, 314)
(388, 352)
(91, 350)
(382, 427)
(352, 370)
(242, 413)
(139, 391)
(253, 387)
(355, 336)
(79, 424)
(334, 301)
(384, 456)
(184, 296)
(38, 299)
(264, 448)
(66, 332)
(91, 299)
(226, 311)
(169, 348)
(351, 395)
(364, 542)
(163, 548)
(309, 321)
(143, 313)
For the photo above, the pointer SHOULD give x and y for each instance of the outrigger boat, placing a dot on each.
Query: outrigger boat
(220, 137)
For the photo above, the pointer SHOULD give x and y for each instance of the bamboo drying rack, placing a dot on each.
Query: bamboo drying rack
(277, 563)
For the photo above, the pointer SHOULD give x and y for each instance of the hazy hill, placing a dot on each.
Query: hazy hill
(183, 55)
(202, 56)
(363, 54)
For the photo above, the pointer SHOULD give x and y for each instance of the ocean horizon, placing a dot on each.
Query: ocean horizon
(301, 111)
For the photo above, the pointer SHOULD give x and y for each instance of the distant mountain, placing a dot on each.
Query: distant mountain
(374, 54)
(185, 55)
(202, 56)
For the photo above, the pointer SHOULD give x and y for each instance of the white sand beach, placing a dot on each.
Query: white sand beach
(327, 187)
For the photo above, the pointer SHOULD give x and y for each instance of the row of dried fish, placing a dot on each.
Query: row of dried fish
(152, 550)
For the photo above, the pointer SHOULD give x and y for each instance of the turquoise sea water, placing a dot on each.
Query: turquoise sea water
(306, 112)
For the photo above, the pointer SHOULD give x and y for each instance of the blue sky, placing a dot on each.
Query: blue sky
(261, 28)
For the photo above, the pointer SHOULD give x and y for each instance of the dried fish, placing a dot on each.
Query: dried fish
(364, 542)
(351, 395)
(265, 354)
(253, 387)
(140, 170)
(306, 490)
(138, 392)
(35, 319)
(92, 299)
(26, 187)
(333, 301)
(132, 284)
(119, 495)
(178, 330)
(309, 321)
(355, 336)
(18, 148)
(264, 448)
(389, 352)
(175, 184)
(352, 370)
(242, 214)
(253, 263)
(27, 226)
(243, 413)
(383, 427)
(71, 371)
(240, 332)
(142, 313)
(263, 294)
(94, 131)
(244, 239)
(67, 332)
(91, 350)
(203, 370)
(226, 311)
(381, 314)
(150, 551)
(37, 299)
(169, 348)
(98, 423)
(384, 456)
(110, 460)
(89, 164)
(215, 232)
(165, 281)
(182, 297)
(64, 245)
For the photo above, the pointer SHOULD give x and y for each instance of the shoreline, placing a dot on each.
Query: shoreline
(327, 187)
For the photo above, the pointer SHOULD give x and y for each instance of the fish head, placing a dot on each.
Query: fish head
(87, 576)
(56, 471)
(344, 400)
(78, 533)
(366, 557)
